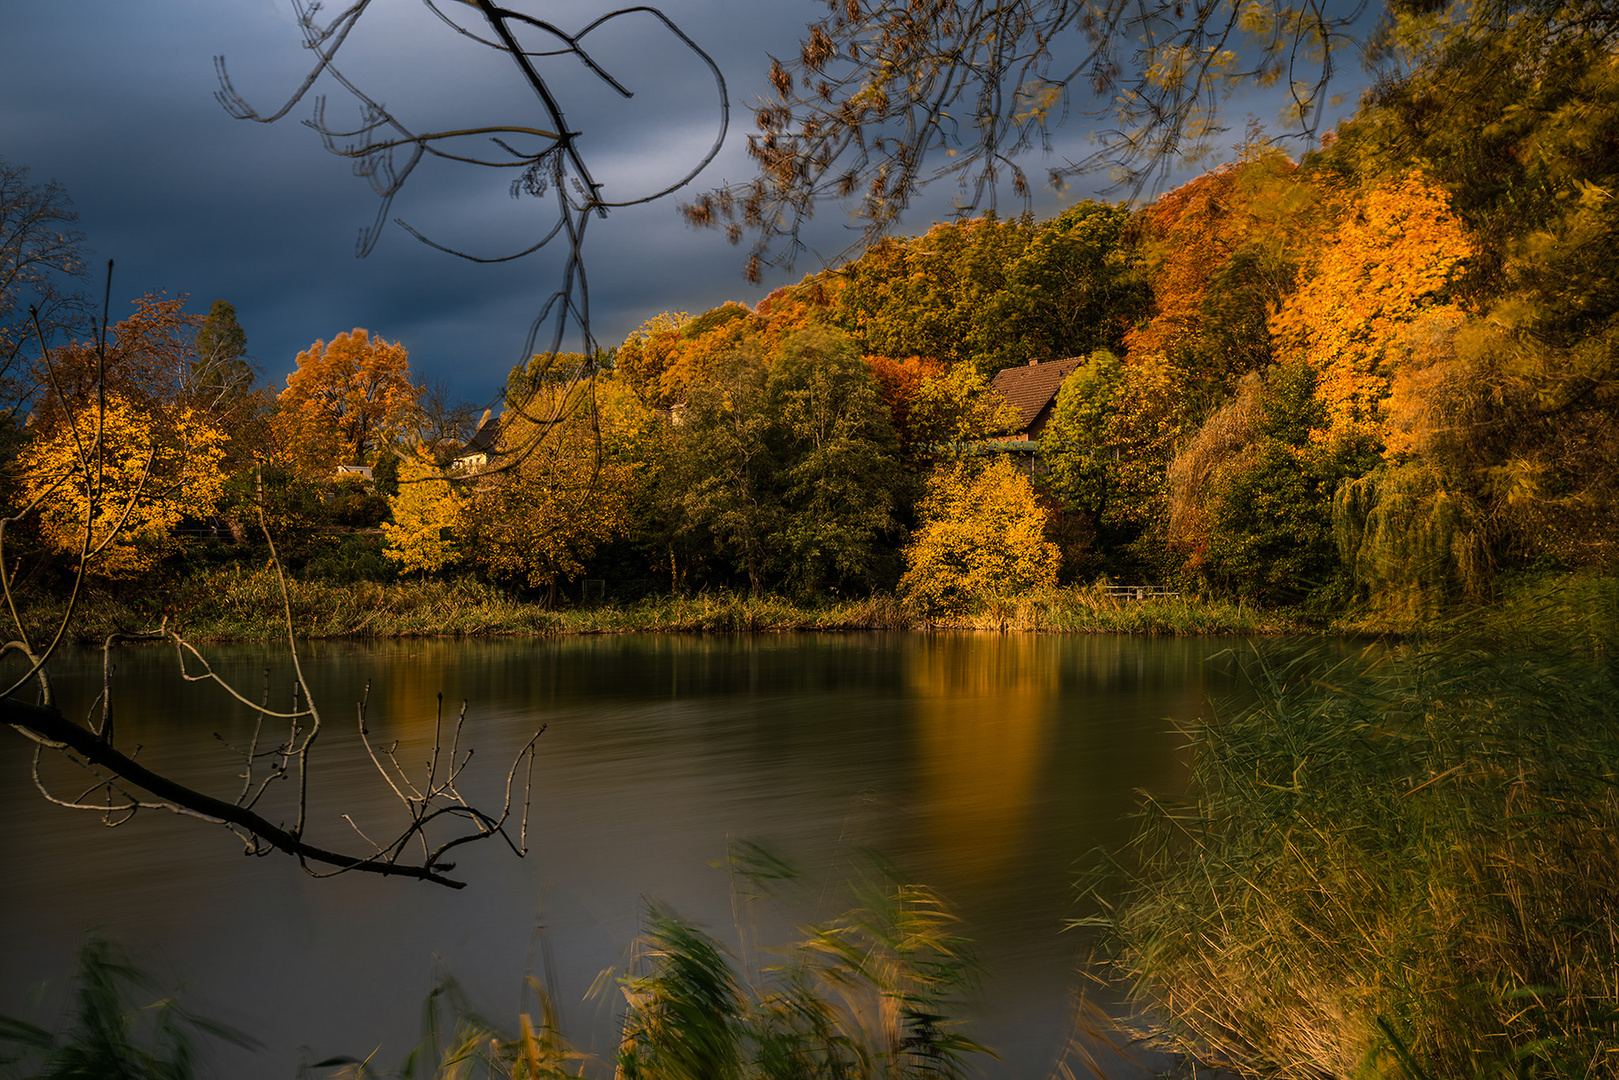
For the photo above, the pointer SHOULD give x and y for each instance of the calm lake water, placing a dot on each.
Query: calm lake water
(986, 766)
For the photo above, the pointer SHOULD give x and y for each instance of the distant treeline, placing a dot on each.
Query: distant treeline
(1373, 380)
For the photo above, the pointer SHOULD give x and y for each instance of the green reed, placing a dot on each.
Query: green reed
(1406, 866)
(108, 1035)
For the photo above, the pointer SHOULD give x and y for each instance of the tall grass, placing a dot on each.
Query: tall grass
(244, 603)
(873, 994)
(1090, 610)
(458, 1044)
(240, 602)
(1406, 866)
(108, 1035)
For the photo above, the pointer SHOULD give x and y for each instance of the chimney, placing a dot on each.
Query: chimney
(1033, 362)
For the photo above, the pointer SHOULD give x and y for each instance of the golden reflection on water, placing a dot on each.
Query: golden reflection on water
(982, 713)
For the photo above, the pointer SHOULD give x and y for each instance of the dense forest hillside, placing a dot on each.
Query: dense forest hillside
(1371, 383)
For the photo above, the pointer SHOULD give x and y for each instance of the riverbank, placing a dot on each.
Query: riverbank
(238, 603)
(1402, 865)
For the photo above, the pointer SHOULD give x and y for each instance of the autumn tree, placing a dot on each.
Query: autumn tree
(562, 491)
(110, 486)
(1391, 259)
(1221, 252)
(718, 479)
(981, 537)
(792, 308)
(346, 401)
(429, 526)
(649, 351)
(898, 384)
(146, 361)
(1507, 403)
(957, 406)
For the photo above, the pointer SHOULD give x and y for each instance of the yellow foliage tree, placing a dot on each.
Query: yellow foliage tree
(957, 405)
(1386, 265)
(347, 400)
(115, 498)
(563, 493)
(982, 536)
(428, 518)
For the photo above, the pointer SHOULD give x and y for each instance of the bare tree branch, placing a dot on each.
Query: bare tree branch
(438, 817)
(887, 97)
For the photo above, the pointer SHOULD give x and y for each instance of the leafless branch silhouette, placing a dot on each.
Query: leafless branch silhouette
(883, 89)
(438, 818)
(549, 161)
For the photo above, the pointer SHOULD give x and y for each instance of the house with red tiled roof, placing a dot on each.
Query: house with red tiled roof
(1032, 390)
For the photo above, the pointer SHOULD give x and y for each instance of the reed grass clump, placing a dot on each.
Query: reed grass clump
(1089, 609)
(107, 1033)
(240, 602)
(1407, 867)
(873, 994)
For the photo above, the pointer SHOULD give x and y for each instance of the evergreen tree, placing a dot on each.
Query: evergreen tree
(221, 374)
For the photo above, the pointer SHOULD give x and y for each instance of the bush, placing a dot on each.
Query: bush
(982, 538)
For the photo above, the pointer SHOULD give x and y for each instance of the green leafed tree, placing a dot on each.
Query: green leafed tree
(840, 465)
(1251, 494)
(1073, 289)
(784, 466)
(718, 478)
(927, 295)
(221, 374)
(1111, 437)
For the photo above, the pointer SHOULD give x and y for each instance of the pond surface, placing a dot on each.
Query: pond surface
(989, 767)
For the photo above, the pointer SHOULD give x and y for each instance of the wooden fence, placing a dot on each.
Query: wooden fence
(1139, 592)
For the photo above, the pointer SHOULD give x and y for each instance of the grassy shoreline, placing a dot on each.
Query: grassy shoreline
(244, 604)
(1403, 865)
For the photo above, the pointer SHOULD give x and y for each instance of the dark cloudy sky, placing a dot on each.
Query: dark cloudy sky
(115, 99)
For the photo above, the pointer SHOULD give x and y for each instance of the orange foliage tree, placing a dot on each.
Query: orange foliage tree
(793, 308)
(346, 401)
(1220, 253)
(1388, 263)
(148, 362)
(670, 354)
(898, 383)
(649, 351)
